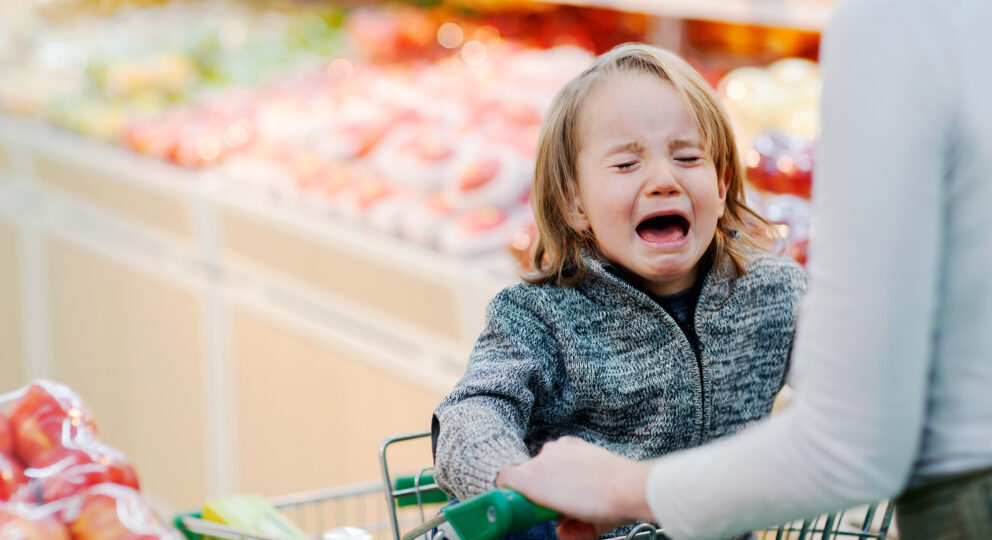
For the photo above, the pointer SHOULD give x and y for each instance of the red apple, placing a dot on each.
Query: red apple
(478, 174)
(46, 416)
(482, 219)
(798, 250)
(123, 474)
(428, 146)
(63, 472)
(112, 512)
(117, 463)
(28, 522)
(28, 493)
(522, 246)
(37, 435)
(6, 436)
(11, 477)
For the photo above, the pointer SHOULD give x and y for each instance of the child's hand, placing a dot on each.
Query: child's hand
(574, 529)
(596, 489)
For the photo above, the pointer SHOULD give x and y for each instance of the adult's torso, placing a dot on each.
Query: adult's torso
(958, 429)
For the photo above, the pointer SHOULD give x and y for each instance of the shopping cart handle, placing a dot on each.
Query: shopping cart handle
(495, 514)
(418, 490)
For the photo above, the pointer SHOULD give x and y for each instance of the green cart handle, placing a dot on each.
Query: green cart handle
(425, 490)
(494, 514)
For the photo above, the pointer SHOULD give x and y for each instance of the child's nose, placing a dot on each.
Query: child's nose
(662, 182)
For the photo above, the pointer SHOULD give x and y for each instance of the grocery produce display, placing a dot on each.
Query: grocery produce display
(774, 111)
(420, 123)
(58, 480)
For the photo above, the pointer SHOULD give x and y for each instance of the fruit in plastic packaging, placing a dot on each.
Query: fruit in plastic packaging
(478, 174)
(423, 221)
(72, 485)
(29, 522)
(793, 218)
(477, 231)
(37, 420)
(798, 250)
(784, 95)
(112, 512)
(47, 415)
(487, 176)
(417, 155)
(6, 436)
(781, 162)
(11, 476)
(523, 244)
(63, 472)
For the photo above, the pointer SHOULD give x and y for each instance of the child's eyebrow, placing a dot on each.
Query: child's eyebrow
(685, 143)
(632, 146)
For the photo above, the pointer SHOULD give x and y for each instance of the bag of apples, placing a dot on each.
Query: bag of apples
(58, 480)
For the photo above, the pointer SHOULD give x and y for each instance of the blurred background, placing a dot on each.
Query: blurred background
(258, 237)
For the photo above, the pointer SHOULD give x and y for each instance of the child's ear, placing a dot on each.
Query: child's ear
(576, 215)
(723, 186)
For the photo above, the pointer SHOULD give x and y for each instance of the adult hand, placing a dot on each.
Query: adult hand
(594, 489)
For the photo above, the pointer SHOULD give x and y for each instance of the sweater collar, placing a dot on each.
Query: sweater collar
(716, 282)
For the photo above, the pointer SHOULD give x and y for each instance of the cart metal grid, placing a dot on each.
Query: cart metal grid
(373, 507)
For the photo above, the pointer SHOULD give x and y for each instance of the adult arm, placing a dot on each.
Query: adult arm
(865, 333)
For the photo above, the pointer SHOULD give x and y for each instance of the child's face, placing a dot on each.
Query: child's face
(646, 186)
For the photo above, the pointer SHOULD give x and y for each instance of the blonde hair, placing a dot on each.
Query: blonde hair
(557, 256)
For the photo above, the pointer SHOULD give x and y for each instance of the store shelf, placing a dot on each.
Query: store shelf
(364, 287)
(149, 192)
(800, 14)
(144, 383)
(11, 327)
(373, 276)
(4, 161)
(108, 307)
(394, 293)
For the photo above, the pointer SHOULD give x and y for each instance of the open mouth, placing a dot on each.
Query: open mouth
(663, 229)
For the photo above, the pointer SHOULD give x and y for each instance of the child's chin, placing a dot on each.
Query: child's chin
(664, 277)
(669, 265)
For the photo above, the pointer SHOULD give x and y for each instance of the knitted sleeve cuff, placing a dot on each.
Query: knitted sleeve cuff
(481, 463)
(470, 455)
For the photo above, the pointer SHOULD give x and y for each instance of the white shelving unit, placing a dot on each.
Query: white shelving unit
(401, 306)
(184, 239)
(195, 219)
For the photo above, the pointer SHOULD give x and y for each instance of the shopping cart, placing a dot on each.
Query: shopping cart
(415, 504)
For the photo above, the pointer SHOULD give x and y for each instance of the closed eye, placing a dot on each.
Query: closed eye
(689, 160)
(625, 166)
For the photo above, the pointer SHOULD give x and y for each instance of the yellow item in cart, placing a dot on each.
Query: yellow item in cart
(251, 513)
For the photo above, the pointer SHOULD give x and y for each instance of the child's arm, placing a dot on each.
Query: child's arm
(480, 426)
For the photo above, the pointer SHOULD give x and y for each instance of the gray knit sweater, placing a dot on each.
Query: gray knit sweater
(604, 362)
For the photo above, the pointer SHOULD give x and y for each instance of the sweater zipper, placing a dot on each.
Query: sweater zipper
(687, 345)
(700, 359)
(704, 395)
